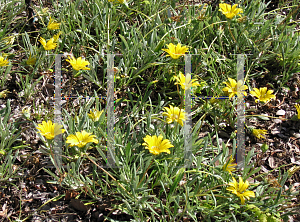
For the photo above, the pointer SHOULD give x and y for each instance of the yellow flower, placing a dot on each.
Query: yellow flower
(240, 188)
(9, 40)
(262, 94)
(78, 64)
(233, 88)
(45, 11)
(174, 114)
(157, 145)
(229, 11)
(31, 60)
(229, 166)
(56, 37)
(298, 110)
(48, 45)
(81, 139)
(181, 80)
(117, 1)
(293, 170)
(259, 133)
(26, 112)
(176, 51)
(95, 115)
(52, 25)
(49, 129)
(3, 61)
(3, 93)
(242, 19)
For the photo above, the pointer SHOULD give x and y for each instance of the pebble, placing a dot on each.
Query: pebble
(292, 132)
(276, 130)
(285, 124)
(277, 121)
(297, 135)
(282, 136)
(223, 134)
(280, 112)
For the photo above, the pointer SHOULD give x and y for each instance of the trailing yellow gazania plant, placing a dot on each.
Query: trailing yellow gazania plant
(234, 88)
(3, 61)
(176, 51)
(31, 60)
(77, 65)
(80, 140)
(49, 130)
(95, 114)
(156, 145)
(117, 1)
(230, 11)
(259, 133)
(240, 189)
(229, 166)
(52, 25)
(49, 45)
(174, 114)
(297, 106)
(263, 94)
(185, 82)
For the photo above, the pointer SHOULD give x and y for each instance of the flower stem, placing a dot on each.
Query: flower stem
(69, 93)
(145, 173)
(232, 35)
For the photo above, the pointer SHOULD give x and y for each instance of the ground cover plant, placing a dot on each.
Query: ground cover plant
(152, 42)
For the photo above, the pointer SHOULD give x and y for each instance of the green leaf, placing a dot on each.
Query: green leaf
(262, 218)
(176, 181)
(159, 46)
(263, 117)
(124, 41)
(264, 147)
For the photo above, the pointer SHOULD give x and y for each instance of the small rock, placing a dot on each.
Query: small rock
(220, 142)
(285, 124)
(280, 135)
(297, 135)
(280, 112)
(275, 131)
(277, 121)
(292, 132)
(223, 134)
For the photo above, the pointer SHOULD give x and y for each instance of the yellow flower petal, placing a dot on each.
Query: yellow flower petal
(49, 129)
(48, 45)
(80, 139)
(259, 133)
(157, 145)
(176, 51)
(95, 115)
(52, 25)
(297, 106)
(229, 11)
(174, 114)
(234, 88)
(186, 82)
(3, 61)
(78, 64)
(263, 94)
(240, 189)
